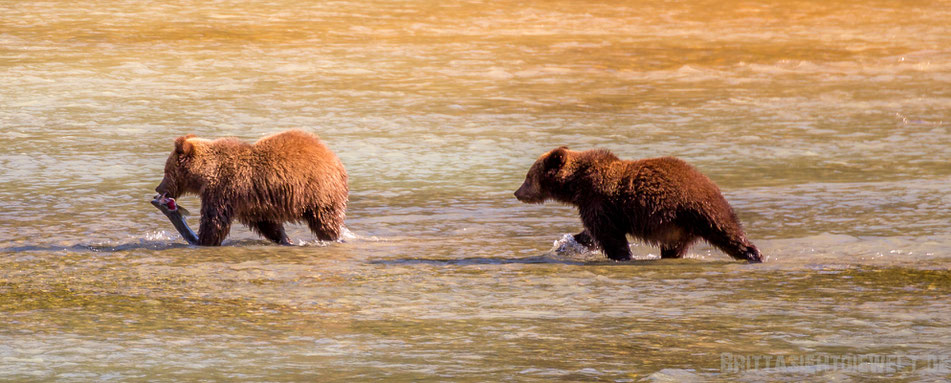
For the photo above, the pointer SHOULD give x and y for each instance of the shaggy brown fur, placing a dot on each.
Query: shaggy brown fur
(286, 177)
(662, 201)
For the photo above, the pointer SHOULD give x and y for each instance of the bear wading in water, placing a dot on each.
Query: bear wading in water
(662, 201)
(286, 177)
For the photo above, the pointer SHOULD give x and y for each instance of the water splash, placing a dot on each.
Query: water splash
(566, 245)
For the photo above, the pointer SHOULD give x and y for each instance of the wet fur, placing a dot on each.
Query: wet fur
(662, 201)
(286, 177)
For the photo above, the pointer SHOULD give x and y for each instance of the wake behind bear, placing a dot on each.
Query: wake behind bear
(662, 201)
(286, 177)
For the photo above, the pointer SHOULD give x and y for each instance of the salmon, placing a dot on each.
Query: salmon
(176, 214)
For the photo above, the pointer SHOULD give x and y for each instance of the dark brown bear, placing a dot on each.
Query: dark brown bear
(662, 201)
(286, 177)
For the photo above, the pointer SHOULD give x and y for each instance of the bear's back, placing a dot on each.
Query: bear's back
(666, 183)
(295, 150)
(288, 142)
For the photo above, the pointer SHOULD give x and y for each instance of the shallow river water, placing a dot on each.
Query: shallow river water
(827, 124)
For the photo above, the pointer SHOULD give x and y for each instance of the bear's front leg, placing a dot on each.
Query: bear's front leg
(605, 232)
(584, 239)
(215, 223)
(614, 245)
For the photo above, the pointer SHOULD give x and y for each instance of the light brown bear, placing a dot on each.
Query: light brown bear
(662, 201)
(286, 177)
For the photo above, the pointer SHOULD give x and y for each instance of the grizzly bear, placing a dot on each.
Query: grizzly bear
(286, 177)
(662, 201)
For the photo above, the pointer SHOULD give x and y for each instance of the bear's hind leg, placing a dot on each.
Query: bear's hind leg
(674, 241)
(734, 243)
(674, 251)
(273, 231)
(325, 223)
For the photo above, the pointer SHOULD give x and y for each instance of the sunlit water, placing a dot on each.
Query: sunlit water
(826, 123)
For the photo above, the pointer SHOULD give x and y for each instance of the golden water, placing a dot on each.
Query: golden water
(826, 123)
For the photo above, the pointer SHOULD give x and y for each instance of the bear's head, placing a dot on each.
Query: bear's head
(180, 168)
(545, 179)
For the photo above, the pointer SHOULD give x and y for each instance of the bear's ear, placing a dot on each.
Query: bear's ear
(557, 158)
(182, 146)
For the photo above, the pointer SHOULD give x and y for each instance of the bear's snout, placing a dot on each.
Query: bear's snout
(163, 189)
(520, 193)
(524, 195)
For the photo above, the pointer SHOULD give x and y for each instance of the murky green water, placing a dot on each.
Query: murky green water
(826, 123)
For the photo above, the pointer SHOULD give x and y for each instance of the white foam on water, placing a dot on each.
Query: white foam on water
(161, 235)
(673, 375)
(566, 245)
(346, 236)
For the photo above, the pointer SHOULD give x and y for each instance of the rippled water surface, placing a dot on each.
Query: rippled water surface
(826, 123)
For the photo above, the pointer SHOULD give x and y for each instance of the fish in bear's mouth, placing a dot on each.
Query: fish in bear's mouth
(176, 214)
(169, 202)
